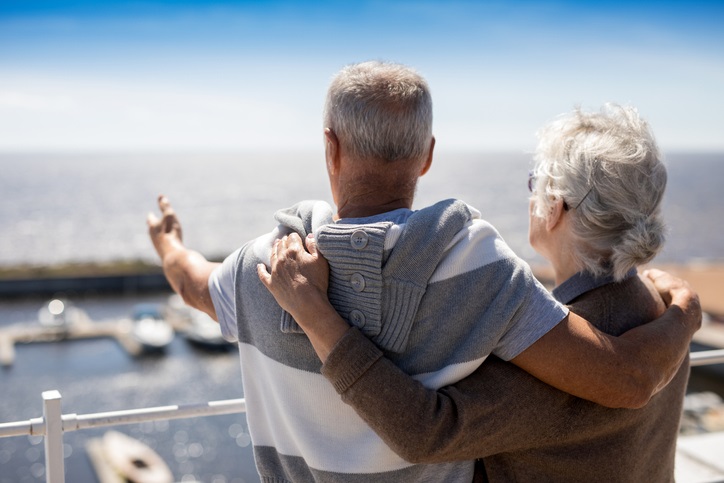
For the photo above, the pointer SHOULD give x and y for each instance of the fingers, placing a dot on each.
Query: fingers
(152, 220)
(165, 206)
(285, 250)
(264, 275)
(163, 203)
(655, 273)
(311, 244)
(292, 242)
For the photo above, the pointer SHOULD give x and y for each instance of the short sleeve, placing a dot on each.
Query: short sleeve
(538, 313)
(221, 287)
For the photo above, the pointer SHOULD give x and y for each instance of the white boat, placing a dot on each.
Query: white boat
(196, 326)
(117, 457)
(205, 332)
(60, 313)
(150, 329)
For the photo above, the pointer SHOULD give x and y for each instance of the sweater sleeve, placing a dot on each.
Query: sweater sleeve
(472, 419)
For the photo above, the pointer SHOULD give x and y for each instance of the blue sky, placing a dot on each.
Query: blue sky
(192, 75)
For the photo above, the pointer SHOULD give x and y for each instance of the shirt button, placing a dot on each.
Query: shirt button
(359, 239)
(357, 318)
(358, 282)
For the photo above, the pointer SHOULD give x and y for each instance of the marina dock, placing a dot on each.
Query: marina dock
(131, 334)
(82, 328)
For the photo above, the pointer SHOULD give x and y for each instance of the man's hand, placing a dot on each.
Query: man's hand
(165, 232)
(187, 271)
(678, 292)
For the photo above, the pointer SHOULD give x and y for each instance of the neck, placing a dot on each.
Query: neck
(363, 206)
(558, 246)
(564, 270)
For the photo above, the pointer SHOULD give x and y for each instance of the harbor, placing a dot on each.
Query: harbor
(149, 330)
(99, 375)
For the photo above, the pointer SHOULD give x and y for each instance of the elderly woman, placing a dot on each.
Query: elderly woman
(595, 214)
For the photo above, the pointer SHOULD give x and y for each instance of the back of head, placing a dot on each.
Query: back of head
(380, 111)
(606, 167)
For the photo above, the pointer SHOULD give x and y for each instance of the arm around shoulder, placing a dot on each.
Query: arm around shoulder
(618, 372)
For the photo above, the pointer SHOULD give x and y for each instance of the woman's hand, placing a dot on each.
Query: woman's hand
(298, 280)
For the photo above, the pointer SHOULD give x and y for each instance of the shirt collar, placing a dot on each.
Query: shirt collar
(581, 283)
(398, 216)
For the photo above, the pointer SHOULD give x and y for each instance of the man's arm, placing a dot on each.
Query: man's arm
(574, 357)
(642, 361)
(186, 270)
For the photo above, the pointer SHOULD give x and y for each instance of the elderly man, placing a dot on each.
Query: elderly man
(436, 289)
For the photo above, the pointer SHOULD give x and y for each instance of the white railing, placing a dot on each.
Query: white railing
(705, 358)
(53, 424)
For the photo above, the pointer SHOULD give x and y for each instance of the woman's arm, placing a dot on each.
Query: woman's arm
(574, 357)
(471, 419)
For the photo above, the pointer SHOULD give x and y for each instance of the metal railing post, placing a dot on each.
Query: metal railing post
(54, 463)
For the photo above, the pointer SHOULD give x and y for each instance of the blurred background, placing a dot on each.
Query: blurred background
(105, 105)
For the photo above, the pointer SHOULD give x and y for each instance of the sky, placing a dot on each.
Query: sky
(231, 76)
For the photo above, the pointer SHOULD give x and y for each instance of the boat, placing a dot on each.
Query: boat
(150, 329)
(196, 326)
(117, 457)
(60, 313)
(203, 331)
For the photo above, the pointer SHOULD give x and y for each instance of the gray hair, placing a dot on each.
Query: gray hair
(380, 110)
(606, 168)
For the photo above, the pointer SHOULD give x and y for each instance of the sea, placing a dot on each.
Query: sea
(92, 208)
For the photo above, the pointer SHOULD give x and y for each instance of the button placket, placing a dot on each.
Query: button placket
(359, 239)
(357, 318)
(358, 282)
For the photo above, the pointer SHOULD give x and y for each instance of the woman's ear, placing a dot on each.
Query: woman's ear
(554, 214)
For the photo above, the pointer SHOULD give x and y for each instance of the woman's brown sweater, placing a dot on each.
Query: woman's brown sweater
(521, 428)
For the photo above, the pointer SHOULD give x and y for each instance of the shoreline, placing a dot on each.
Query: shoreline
(706, 278)
(135, 276)
(126, 277)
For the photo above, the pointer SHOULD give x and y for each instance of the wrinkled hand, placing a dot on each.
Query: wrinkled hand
(298, 279)
(676, 291)
(165, 232)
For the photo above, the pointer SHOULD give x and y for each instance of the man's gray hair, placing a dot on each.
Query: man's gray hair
(380, 110)
(606, 168)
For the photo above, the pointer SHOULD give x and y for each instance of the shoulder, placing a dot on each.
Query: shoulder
(478, 244)
(305, 217)
(617, 307)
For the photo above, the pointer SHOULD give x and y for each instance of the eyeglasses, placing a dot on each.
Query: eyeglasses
(531, 184)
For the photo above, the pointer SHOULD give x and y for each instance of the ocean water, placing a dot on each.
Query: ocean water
(97, 375)
(92, 208)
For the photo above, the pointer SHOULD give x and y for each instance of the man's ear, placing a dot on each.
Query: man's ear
(331, 150)
(555, 214)
(428, 162)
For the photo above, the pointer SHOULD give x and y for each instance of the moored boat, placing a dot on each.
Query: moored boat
(196, 326)
(60, 313)
(150, 329)
(119, 457)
